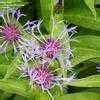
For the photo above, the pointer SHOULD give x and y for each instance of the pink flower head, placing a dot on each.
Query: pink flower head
(42, 76)
(54, 46)
(11, 33)
(51, 47)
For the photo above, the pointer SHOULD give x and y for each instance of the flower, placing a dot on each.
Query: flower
(54, 46)
(42, 76)
(51, 47)
(12, 32)
(30, 50)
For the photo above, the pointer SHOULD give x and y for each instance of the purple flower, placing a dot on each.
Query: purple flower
(42, 76)
(11, 31)
(54, 45)
(51, 47)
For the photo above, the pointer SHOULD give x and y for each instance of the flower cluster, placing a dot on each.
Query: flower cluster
(39, 52)
(43, 51)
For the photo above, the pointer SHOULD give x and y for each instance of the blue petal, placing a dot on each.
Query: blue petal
(32, 23)
(17, 13)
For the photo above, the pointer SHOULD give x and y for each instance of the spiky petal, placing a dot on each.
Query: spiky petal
(42, 76)
(11, 32)
(30, 50)
(51, 47)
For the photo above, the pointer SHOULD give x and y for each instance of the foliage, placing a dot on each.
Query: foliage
(86, 49)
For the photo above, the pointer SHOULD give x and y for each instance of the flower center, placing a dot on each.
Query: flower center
(51, 47)
(11, 32)
(42, 76)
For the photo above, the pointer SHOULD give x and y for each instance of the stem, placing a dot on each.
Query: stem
(60, 2)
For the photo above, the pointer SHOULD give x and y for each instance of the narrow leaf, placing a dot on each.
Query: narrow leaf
(91, 81)
(80, 15)
(87, 46)
(82, 95)
(90, 4)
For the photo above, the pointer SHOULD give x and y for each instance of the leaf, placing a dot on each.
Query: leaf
(50, 18)
(97, 1)
(91, 81)
(86, 69)
(13, 67)
(90, 4)
(79, 14)
(5, 62)
(47, 11)
(5, 95)
(17, 97)
(15, 86)
(3, 69)
(3, 58)
(12, 3)
(21, 87)
(87, 46)
(82, 95)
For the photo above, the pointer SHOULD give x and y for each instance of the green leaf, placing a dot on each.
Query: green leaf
(97, 1)
(17, 97)
(81, 95)
(47, 12)
(90, 4)
(15, 86)
(91, 81)
(21, 87)
(51, 18)
(5, 95)
(87, 46)
(5, 62)
(80, 15)
(12, 3)
(86, 68)
(12, 68)
(3, 69)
